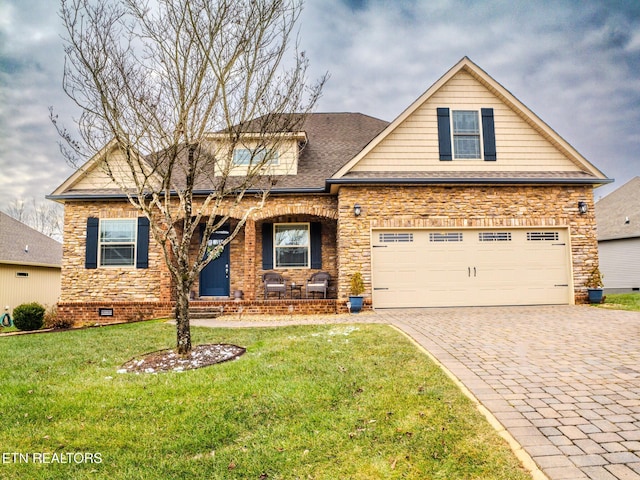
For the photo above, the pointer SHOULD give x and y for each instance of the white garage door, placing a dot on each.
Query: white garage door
(467, 267)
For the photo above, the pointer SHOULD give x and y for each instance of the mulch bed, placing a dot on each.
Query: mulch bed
(170, 361)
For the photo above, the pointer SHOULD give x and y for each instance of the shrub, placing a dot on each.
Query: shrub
(595, 279)
(28, 316)
(357, 284)
(53, 320)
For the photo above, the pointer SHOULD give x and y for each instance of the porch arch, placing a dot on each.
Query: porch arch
(271, 211)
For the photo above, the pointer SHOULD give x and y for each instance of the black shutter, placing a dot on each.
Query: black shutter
(267, 246)
(142, 250)
(444, 134)
(316, 245)
(91, 251)
(488, 134)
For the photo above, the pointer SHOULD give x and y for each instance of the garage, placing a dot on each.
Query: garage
(470, 267)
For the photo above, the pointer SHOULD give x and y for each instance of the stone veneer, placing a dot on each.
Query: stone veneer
(462, 207)
(346, 246)
(135, 293)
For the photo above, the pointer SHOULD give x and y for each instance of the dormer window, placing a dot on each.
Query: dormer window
(466, 134)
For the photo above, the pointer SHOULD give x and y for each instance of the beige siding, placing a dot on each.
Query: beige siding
(287, 163)
(98, 178)
(41, 284)
(413, 145)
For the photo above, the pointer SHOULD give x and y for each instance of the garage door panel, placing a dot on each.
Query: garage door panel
(471, 267)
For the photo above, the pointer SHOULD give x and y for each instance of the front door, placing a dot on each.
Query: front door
(214, 278)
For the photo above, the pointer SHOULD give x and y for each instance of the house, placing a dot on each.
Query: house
(466, 198)
(30, 265)
(618, 218)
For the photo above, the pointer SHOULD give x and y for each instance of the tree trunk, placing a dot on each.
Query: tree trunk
(183, 330)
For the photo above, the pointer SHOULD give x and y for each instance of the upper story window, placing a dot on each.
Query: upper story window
(466, 134)
(291, 245)
(117, 242)
(247, 156)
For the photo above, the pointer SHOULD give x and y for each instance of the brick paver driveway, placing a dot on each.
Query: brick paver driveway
(563, 380)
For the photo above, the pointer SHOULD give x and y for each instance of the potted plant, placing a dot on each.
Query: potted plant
(357, 287)
(594, 286)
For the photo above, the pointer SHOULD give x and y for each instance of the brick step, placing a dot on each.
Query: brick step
(205, 313)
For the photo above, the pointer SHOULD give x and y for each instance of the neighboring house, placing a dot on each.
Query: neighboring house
(29, 265)
(618, 218)
(467, 198)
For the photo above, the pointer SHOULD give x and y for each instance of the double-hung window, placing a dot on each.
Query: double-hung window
(466, 134)
(291, 245)
(117, 242)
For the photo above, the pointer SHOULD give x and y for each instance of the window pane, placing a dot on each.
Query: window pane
(292, 257)
(466, 146)
(292, 235)
(116, 255)
(465, 121)
(241, 156)
(246, 156)
(120, 231)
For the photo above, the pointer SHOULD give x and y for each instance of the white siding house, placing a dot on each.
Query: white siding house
(618, 219)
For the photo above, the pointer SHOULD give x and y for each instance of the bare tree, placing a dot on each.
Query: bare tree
(175, 88)
(46, 217)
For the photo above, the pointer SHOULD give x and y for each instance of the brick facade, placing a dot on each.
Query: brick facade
(462, 207)
(133, 293)
(346, 243)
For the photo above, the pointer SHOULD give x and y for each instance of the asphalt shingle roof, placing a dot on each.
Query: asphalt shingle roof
(16, 236)
(613, 211)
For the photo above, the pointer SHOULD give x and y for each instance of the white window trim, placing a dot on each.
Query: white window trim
(275, 257)
(453, 134)
(135, 243)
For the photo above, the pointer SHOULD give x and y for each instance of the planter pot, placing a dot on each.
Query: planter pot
(595, 295)
(238, 294)
(356, 303)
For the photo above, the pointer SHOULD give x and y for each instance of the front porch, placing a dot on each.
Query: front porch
(292, 240)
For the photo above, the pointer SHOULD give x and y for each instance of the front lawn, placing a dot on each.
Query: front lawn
(622, 301)
(308, 402)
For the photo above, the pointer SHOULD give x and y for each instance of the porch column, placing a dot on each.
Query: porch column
(250, 260)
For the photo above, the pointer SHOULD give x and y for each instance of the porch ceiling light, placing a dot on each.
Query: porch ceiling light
(582, 207)
(357, 209)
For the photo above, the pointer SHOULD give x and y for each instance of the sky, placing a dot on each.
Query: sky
(576, 64)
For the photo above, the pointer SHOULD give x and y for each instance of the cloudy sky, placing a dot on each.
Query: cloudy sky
(576, 64)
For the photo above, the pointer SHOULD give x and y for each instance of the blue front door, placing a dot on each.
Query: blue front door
(214, 278)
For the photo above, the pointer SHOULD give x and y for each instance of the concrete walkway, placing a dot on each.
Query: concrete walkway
(564, 381)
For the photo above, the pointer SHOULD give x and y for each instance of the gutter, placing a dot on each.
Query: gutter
(330, 182)
(196, 193)
(30, 264)
(468, 181)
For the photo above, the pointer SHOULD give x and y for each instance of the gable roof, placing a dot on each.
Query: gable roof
(332, 139)
(613, 211)
(22, 245)
(584, 172)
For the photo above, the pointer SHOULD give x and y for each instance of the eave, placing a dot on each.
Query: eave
(335, 183)
(30, 264)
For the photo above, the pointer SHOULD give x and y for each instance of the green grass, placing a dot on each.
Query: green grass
(622, 301)
(308, 402)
